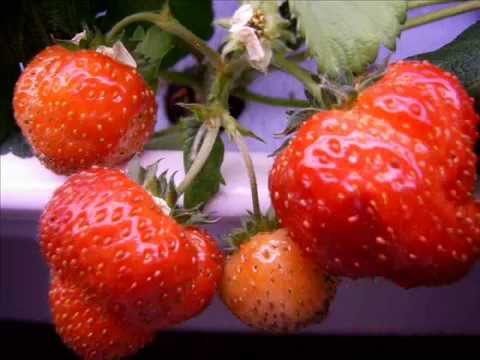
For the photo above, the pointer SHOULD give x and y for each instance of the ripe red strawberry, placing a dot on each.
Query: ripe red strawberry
(102, 231)
(385, 188)
(270, 285)
(89, 327)
(210, 268)
(81, 108)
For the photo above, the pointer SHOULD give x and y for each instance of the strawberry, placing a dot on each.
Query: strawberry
(81, 108)
(102, 231)
(385, 188)
(204, 285)
(88, 327)
(270, 285)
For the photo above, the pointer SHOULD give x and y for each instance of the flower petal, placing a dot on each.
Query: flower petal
(263, 63)
(241, 17)
(254, 47)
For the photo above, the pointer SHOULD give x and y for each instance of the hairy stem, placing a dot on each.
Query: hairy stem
(301, 74)
(197, 141)
(414, 4)
(165, 21)
(243, 148)
(200, 159)
(269, 100)
(442, 14)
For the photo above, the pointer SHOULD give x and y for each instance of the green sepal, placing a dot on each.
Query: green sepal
(251, 226)
(163, 186)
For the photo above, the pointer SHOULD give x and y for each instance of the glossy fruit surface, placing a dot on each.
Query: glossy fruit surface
(385, 188)
(270, 285)
(104, 233)
(82, 108)
(89, 327)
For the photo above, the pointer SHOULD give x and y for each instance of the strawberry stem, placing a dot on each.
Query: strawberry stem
(442, 14)
(183, 79)
(247, 159)
(201, 158)
(301, 74)
(269, 100)
(167, 22)
(414, 4)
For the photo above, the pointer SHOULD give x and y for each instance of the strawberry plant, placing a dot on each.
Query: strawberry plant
(376, 176)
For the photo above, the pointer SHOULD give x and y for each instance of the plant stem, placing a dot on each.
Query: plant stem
(442, 14)
(220, 90)
(268, 100)
(299, 57)
(301, 74)
(414, 4)
(200, 159)
(197, 141)
(242, 146)
(188, 80)
(180, 78)
(165, 21)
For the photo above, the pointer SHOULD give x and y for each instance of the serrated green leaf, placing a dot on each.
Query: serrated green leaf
(208, 181)
(346, 35)
(155, 44)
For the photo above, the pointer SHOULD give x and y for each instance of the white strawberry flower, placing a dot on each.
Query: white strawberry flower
(259, 51)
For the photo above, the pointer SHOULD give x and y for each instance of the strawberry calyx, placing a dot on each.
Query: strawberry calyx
(164, 191)
(95, 40)
(338, 94)
(252, 225)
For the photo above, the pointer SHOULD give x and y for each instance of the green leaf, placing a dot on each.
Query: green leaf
(196, 15)
(346, 35)
(170, 138)
(138, 34)
(155, 44)
(208, 181)
(461, 57)
(150, 51)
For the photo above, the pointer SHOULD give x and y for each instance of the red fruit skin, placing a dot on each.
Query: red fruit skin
(430, 105)
(82, 108)
(210, 269)
(372, 191)
(270, 285)
(89, 327)
(102, 231)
